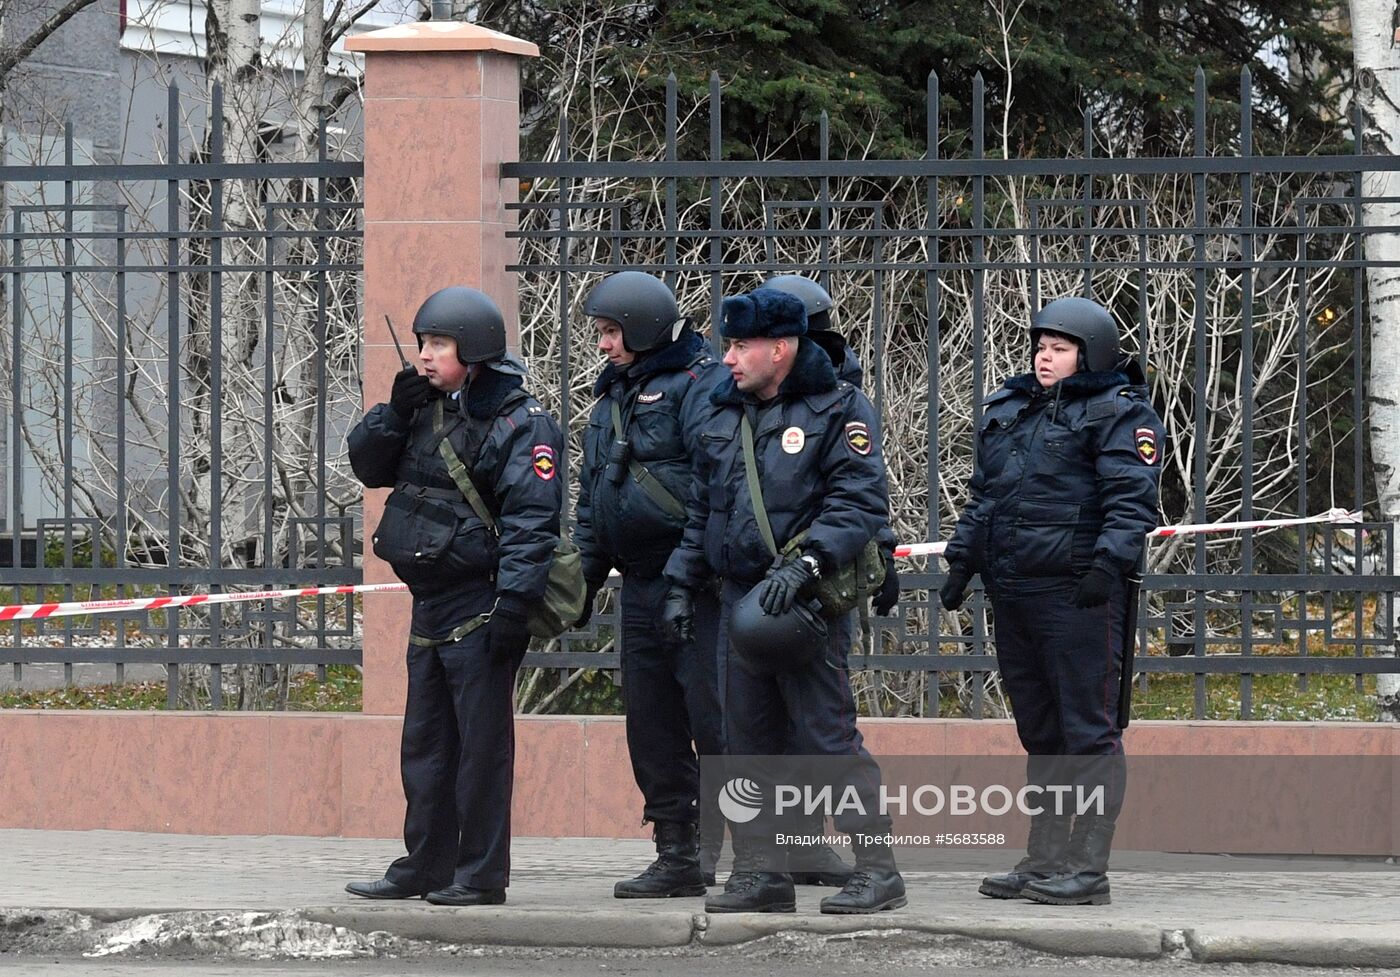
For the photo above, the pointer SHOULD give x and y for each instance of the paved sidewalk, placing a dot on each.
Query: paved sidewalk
(1321, 912)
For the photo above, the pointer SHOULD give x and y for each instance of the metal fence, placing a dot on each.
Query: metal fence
(1240, 277)
(180, 360)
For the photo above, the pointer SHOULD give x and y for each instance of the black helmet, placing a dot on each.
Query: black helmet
(768, 643)
(643, 305)
(810, 294)
(1086, 321)
(468, 316)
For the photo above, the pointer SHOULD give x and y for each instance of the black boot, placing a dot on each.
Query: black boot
(1045, 851)
(676, 871)
(711, 842)
(755, 885)
(1083, 880)
(816, 864)
(874, 886)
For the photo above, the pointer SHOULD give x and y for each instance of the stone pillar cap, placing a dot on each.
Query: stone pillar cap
(441, 35)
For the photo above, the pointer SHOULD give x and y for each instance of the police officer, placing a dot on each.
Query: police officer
(821, 329)
(828, 867)
(1064, 491)
(472, 587)
(653, 399)
(821, 481)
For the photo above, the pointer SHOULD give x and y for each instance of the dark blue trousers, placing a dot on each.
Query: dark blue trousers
(458, 754)
(1060, 665)
(804, 712)
(672, 700)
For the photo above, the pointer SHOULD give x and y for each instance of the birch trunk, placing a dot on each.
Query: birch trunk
(1378, 94)
(234, 46)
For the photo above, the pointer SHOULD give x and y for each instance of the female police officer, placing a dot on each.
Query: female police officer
(1065, 488)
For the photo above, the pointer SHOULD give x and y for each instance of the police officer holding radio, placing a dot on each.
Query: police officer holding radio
(462, 428)
(790, 490)
(643, 433)
(1064, 491)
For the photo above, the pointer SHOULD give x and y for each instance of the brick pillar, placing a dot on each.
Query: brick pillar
(442, 113)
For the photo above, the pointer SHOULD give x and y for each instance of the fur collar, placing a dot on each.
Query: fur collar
(484, 395)
(812, 373)
(673, 356)
(1128, 374)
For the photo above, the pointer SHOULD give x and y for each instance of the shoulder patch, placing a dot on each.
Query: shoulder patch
(650, 398)
(534, 409)
(1146, 440)
(858, 437)
(542, 460)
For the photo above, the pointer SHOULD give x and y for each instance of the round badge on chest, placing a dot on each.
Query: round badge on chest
(794, 439)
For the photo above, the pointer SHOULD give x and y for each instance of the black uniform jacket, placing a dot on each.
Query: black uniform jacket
(429, 534)
(820, 466)
(664, 400)
(848, 368)
(1066, 478)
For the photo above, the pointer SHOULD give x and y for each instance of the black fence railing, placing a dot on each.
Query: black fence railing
(180, 360)
(1240, 279)
(180, 363)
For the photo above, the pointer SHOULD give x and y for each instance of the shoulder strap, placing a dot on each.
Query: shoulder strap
(760, 512)
(477, 432)
(459, 474)
(648, 482)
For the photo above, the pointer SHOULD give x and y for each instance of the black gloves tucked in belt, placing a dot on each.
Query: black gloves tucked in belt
(781, 585)
(884, 601)
(1095, 588)
(508, 633)
(678, 616)
(954, 590)
(411, 391)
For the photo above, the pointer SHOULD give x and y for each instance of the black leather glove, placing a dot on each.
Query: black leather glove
(588, 599)
(1095, 588)
(678, 616)
(411, 391)
(954, 590)
(888, 596)
(781, 585)
(509, 634)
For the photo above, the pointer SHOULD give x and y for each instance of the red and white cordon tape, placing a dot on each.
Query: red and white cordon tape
(1187, 529)
(24, 612)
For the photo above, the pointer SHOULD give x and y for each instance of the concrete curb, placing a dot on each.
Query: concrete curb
(1108, 939)
(1320, 945)
(507, 926)
(626, 929)
(1291, 942)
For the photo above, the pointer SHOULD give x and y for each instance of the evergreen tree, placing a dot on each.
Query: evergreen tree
(866, 63)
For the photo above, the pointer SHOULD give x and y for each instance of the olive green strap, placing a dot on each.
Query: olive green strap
(458, 471)
(456, 634)
(649, 483)
(760, 513)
